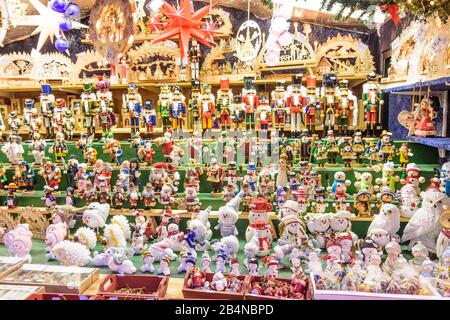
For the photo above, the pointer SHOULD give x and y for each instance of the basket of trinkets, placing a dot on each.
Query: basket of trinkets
(133, 287)
(215, 286)
(271, 288)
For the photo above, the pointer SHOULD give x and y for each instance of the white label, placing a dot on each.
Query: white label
(419, 36)
(438, 42)
(395, 43)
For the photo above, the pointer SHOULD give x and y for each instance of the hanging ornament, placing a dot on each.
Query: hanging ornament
(61, 44)
(248, 40)
(65, 24)
(58, 5)
(47, 22)
(72, 9)
(184, 23)
(272, 57)
(285, 39)
(279, 25)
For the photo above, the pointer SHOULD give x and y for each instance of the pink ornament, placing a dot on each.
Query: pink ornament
(285, 39)
(279, 25)
(285, 10)
(272, 57)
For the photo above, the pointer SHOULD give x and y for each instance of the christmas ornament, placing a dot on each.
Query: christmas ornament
(248, 41)
(65, 24)
(72, 9)
(58, 5)
(61, 45)
(183, 22)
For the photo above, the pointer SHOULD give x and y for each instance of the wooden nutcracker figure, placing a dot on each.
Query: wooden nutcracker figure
(280, 114)
(373, 103)
(59, 114)
(296, 102)
(89, 107)
(177, 110)
(69, 125)
(223, 103)
(345, 108)
(149, 116)
(194, 59)
(31, 117)
(193, 111)
(132, 104)
(164, 100)
(251, 101)
(312, 103)
(47, 102)
(106, 115)
(208, 107)
(264, 117)
(237, 113)
(329, 101)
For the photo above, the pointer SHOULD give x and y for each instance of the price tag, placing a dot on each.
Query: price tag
(438, 42)
(395, 43)
(419, 36)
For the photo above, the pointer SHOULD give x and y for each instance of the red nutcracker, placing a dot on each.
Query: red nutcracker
(372, 102)
(312, 104)
(264, 115)
(251, 101)
(296, 103)
(279, 107)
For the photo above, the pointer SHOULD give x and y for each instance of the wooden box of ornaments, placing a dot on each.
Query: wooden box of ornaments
(133, 287)
(9, 264)
(251, 292)
(55, 279)
(429, 293)
(209, 294)
(10, 292)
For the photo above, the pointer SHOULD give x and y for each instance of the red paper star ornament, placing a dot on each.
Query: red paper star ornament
(185, 23)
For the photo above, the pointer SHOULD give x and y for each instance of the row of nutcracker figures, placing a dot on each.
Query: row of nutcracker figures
(298, 247)
(291, 109)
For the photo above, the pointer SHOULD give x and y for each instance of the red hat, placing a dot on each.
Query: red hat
(311, 81)
(171, 167)
(60, 102)
(167, 213)
(331, 243)
(224, 84)
(161, 165)
(260, 205)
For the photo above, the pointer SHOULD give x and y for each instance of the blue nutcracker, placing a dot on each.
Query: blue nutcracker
(149, 116)
(177, 109)
(133, 104)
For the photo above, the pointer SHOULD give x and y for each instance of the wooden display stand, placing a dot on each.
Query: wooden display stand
(154, 287)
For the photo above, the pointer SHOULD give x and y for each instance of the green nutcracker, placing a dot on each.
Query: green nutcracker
(165, 97)
(89, 107)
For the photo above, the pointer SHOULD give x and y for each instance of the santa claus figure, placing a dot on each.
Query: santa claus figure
(208, 107)
(280, 114)
(215, 176)
(251, 101)
(372, 102)
(223, 104)
(296, 103)
(158, 175)
(167, 143)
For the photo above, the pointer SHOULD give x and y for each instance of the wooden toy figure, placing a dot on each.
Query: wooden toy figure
(312, 104)
(59, 149)
(31, 117)
(106, 115)
(223, 104)
(69, 125)
(385, 146)
(89, 107)
(51, 174)
(193, 111)
(215, 176)
(208, 107)
(194, 59)
(329, 101)
(14, 123)
(13, 149)
(177, 110)
(280, 114)
(332, 148)
(345, 108)
(164, 100)
(358, 147)
(11, 200)
(237, 113)
(251, 101)
(47, 102)
(132, 103)
(90, 154)
(148, 195)
(49, 198)
(296, 102)
(149, 117)
(362, 204)
(118, 196)
(424, 116)
(264, 117)
(347, 155)
(373, 103)
(404, 153)
(59, 114)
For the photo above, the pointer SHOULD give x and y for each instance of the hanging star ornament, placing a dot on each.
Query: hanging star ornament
(183, 22)
(47, 23)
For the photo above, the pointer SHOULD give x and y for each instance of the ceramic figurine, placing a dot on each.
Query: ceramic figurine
(20, 247)
(158, 175)
(329, 101)
(54, 234)
(219, 282)
(373, 103)
(95, 215)
(215, 176)
(13, 149)
(393, 251)
(292, 235)
(228, 216)
(59, 149)
(388, 219)
(70, 253)
(251, 102)
(90, 154)
(283, 169)
(251, 177)
(409, 200)
(51, 174)
(318, 226)
(428, 267)
(235, 267)
(424, 224)
(89, 107)
(272, 267)
(262, 238)
(148, 195)
(413, 177)
(208, 108)
(221, 259)
(38, 146)
(445, 178)
(70, 197)
(388, 177)
(118, 261)
(420, 254)
(443, 240)
(341, 222)
(223, 104)
(47, 103)
(106, 116)
(259, 211)
(385, 146)
(333, 256)
(253, 267)
(147, 256)
(339, 182)
(148, 153)
(118, 196)
(423, 119)
(166, 196)
(49, 198)
(362, 204)
(206, 262)
(167, 144)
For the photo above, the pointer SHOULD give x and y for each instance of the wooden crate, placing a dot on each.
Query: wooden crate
(12, 292)
(357, 295)
(53, 278)
(9, 264)
(60, 296)
(251, 296)
(154, 287)
(433, 284)
(214, 295)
